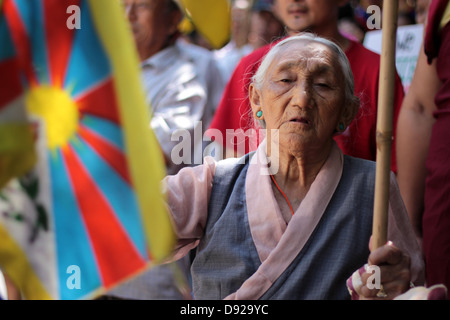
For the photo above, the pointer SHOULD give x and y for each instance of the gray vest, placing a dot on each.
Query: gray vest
(226, 256)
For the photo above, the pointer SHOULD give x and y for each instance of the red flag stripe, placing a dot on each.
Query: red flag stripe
(100, 101)
(20, 39)
(59, 38)
(111, 154)
(116, 255)
(10, 85)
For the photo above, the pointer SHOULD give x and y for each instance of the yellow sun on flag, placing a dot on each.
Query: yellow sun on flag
(59, 112)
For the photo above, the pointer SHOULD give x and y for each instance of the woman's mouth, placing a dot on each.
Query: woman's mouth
(300, 120)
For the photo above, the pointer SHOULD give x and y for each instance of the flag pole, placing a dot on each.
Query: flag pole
(384, 132)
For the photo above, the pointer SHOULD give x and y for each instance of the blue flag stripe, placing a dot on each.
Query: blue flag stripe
(108, 130)
(70, 233)
(32, 15)
(88, 64)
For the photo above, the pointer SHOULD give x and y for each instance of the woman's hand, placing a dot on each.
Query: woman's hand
(386, 275)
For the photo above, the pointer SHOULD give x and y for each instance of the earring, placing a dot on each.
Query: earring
(341, 126)
(259, 114)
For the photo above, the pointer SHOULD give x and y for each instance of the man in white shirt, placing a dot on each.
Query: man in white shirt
(181, 81)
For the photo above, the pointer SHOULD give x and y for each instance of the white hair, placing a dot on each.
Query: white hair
(351, 101)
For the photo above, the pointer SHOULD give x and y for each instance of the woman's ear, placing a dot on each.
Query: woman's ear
(255, 100)
(349, 112)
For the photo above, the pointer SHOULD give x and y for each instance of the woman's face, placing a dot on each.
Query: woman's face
(302, 95)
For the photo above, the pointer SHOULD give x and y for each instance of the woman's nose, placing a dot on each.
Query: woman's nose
(301, 96)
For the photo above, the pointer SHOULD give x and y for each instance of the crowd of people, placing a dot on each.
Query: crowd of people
(289, 214)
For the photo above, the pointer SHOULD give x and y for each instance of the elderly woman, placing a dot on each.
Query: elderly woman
(292, 220)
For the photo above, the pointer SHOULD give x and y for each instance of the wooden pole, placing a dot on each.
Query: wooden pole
(384, 134)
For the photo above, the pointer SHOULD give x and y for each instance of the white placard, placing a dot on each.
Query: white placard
(409, 42)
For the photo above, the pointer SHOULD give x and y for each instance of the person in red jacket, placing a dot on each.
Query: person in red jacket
(424, 149)
(319, 17)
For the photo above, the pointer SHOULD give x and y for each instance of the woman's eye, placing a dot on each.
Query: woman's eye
(286, 80)
(322, 85)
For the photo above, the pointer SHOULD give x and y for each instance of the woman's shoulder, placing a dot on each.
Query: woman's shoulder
(359, 165)
(227, 165)
(360, 161)
(364, 171)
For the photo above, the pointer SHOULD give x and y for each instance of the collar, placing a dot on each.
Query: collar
(259, 186)
(162, 59)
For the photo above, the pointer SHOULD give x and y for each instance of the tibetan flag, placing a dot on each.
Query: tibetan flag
(91, 213)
